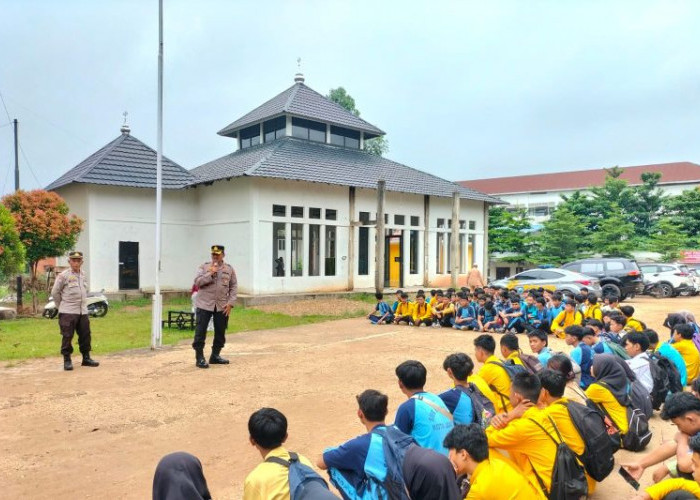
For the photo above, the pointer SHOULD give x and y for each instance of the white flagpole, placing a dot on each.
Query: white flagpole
(156, 325)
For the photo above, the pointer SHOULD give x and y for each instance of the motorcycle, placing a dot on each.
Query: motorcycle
(97, 306)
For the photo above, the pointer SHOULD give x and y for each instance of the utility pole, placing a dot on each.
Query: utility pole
(19, 277)
(380, 241)
(454, 243)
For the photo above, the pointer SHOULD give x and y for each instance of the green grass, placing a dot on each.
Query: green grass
(128, 326)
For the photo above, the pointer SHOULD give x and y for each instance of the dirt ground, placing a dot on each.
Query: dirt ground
(327, 307)
(99, 432)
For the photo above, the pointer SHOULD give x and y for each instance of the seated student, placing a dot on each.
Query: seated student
(678, 489)
(490, 473)
(459, 367)
(529, 309)
(636, 345)
(513, 319)
(443, 312)
(421, 314)
(683, 343)
(569, 316)
(593, 310)
(179, 476)
(488, 318)
(433, 298)
(532, 450)
(632, 322)
(466, 319)
(510, 348)
(492, 371)
(539, 343)
(611, 303)
(424, 416)
(600, 346)
(268, 432)
(540, 320)
(581, 304)
(404, 311)
(562, 363)
(683, 410)
(668, 351)
(610, 389)
(382, 314)
(616, 324)
(581, 353)
(398, 294)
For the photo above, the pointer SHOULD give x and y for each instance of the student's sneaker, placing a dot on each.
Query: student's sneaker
(464, 328)
(455, 327)
(436, 325)
(499, 330)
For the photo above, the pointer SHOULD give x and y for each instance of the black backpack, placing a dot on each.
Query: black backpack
(666, 379)
(512, 369)
(597, 458)
(640, 398)
(531, 363)
(482, 407)
(638, 405)
(568, 476)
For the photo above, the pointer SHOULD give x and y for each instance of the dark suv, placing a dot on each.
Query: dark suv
(618, 276)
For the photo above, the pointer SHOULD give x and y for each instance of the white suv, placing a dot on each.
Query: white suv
(671, 279)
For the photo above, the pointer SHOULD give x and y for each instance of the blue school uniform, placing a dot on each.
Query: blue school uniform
(382, 308)
(544, 355)
(459, 404)
(486, 316)
(583, 355)
(602, 347)
(553, 312)
(517, 322)
(427, 425)
(466, 312)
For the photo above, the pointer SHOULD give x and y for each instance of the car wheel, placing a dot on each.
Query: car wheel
(609, 290)
(665, 290)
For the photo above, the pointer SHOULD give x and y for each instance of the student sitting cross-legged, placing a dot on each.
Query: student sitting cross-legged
(636, 345)
(610, 388)
(382, 314)
(569, 316)
(678, 489)
(404, 310)
(422, 313)
(667, 350)
(424, 416)
(470, 393)
(359, 467)
(491, 475)
(466, 318)
(682, 341)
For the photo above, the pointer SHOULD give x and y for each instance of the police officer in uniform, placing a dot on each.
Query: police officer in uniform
(70, 295)
(218, 289)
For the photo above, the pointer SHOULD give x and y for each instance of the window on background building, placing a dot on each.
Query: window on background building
(297, 254)
(364, 218)
(472, 225)
(308, 129)
(440, 253)
(331, 214)
(363, 252)
(330, 250)
(314, 249)
(449, 223)
(386, 218)
(441, 223)
(279, 210)
(314, 213)
(275, 128)
(297, 212)
(250, 136)
(345, 137)
(279, 239)
(415, 220)
(399, 220)
(471, 245)
(463, 224)
(413, 255)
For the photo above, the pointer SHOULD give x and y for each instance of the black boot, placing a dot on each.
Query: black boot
(67, 364)
(199, 356)
(88, 361)
(215, 359)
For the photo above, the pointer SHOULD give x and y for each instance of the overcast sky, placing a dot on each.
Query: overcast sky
(463, 89)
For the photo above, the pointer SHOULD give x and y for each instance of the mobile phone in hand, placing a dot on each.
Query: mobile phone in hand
(627, 477)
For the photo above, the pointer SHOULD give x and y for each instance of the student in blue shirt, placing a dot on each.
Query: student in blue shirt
(600, 346)
(382, 314)
(555, 307)
(424, 416)
(581, 353)
(465, 318)
(459, 367)
(539, 343)
(513, 318)
(488, 318)
(668, 351)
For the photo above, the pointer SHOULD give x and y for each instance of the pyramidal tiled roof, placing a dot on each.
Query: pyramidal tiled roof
(296, 159)
(300, 100)
(125, 161)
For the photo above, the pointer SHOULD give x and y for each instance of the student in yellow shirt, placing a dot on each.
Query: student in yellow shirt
(492, 371)
(663, 488)
(491, 475)
(531, 449)
(268, 432)
(632, 322)
(569, 316)
(610, 388)
(593, 310)
(404, 310)
(422, 313)
(683, 343)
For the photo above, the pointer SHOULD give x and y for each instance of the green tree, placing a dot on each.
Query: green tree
(668, 239)
(614, 190)
(647, 204)
(377, 146)
(684, 212)
(12, 252)
(508, 232)
(559, 239)
(614, 235)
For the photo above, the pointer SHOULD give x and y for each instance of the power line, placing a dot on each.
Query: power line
(6, 124)
(5, 106)
(29, 165)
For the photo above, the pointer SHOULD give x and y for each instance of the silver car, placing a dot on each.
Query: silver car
(550, 279)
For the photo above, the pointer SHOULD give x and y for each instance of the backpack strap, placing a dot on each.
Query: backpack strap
(442, 411)
(293, 457)
(561, 440)
(539, 479)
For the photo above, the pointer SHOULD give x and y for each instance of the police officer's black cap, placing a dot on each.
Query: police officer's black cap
(217, 249)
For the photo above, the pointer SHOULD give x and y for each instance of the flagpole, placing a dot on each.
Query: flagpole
(156, 325)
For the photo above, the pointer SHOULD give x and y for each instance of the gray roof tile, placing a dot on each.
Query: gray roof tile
(296, 159)
(125, 161)
(305, 102)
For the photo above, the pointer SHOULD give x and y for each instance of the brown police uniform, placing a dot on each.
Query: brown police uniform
(216, 291)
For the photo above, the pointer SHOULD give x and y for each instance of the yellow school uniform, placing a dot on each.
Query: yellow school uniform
(515, 356)
(270, 480)
(528, 445)
(565, 319)
(448, 308)
(691, 357)
(618, 413)
(499, 381)
(498, 477)
(634, 324)
(404, 309)
(421, 312)
(663, 488)
(594, 312)
(484, 388)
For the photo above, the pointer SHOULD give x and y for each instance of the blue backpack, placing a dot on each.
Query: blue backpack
(304, 482)
(395, 444)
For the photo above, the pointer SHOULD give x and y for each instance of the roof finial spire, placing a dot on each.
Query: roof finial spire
(125, 128)
(299, 77)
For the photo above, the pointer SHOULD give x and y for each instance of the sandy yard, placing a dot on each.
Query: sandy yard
(99, 433)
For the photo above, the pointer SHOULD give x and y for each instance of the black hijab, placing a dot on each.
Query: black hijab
(429, 475)
(179, 476)
(606, 369)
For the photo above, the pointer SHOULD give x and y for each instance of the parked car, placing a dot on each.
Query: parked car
(618, 276)
(696, 279)
(550, 279)
(669, 280)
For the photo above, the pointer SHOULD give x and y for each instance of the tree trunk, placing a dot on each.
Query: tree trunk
(35, 299)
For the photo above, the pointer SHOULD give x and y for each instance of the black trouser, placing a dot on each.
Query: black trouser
(200, 329)
(69, 325)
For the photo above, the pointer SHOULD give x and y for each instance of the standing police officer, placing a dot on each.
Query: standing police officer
(70, 295)
(218, 288)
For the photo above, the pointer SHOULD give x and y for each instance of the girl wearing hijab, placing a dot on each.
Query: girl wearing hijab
(179, 476)
(610, 388)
